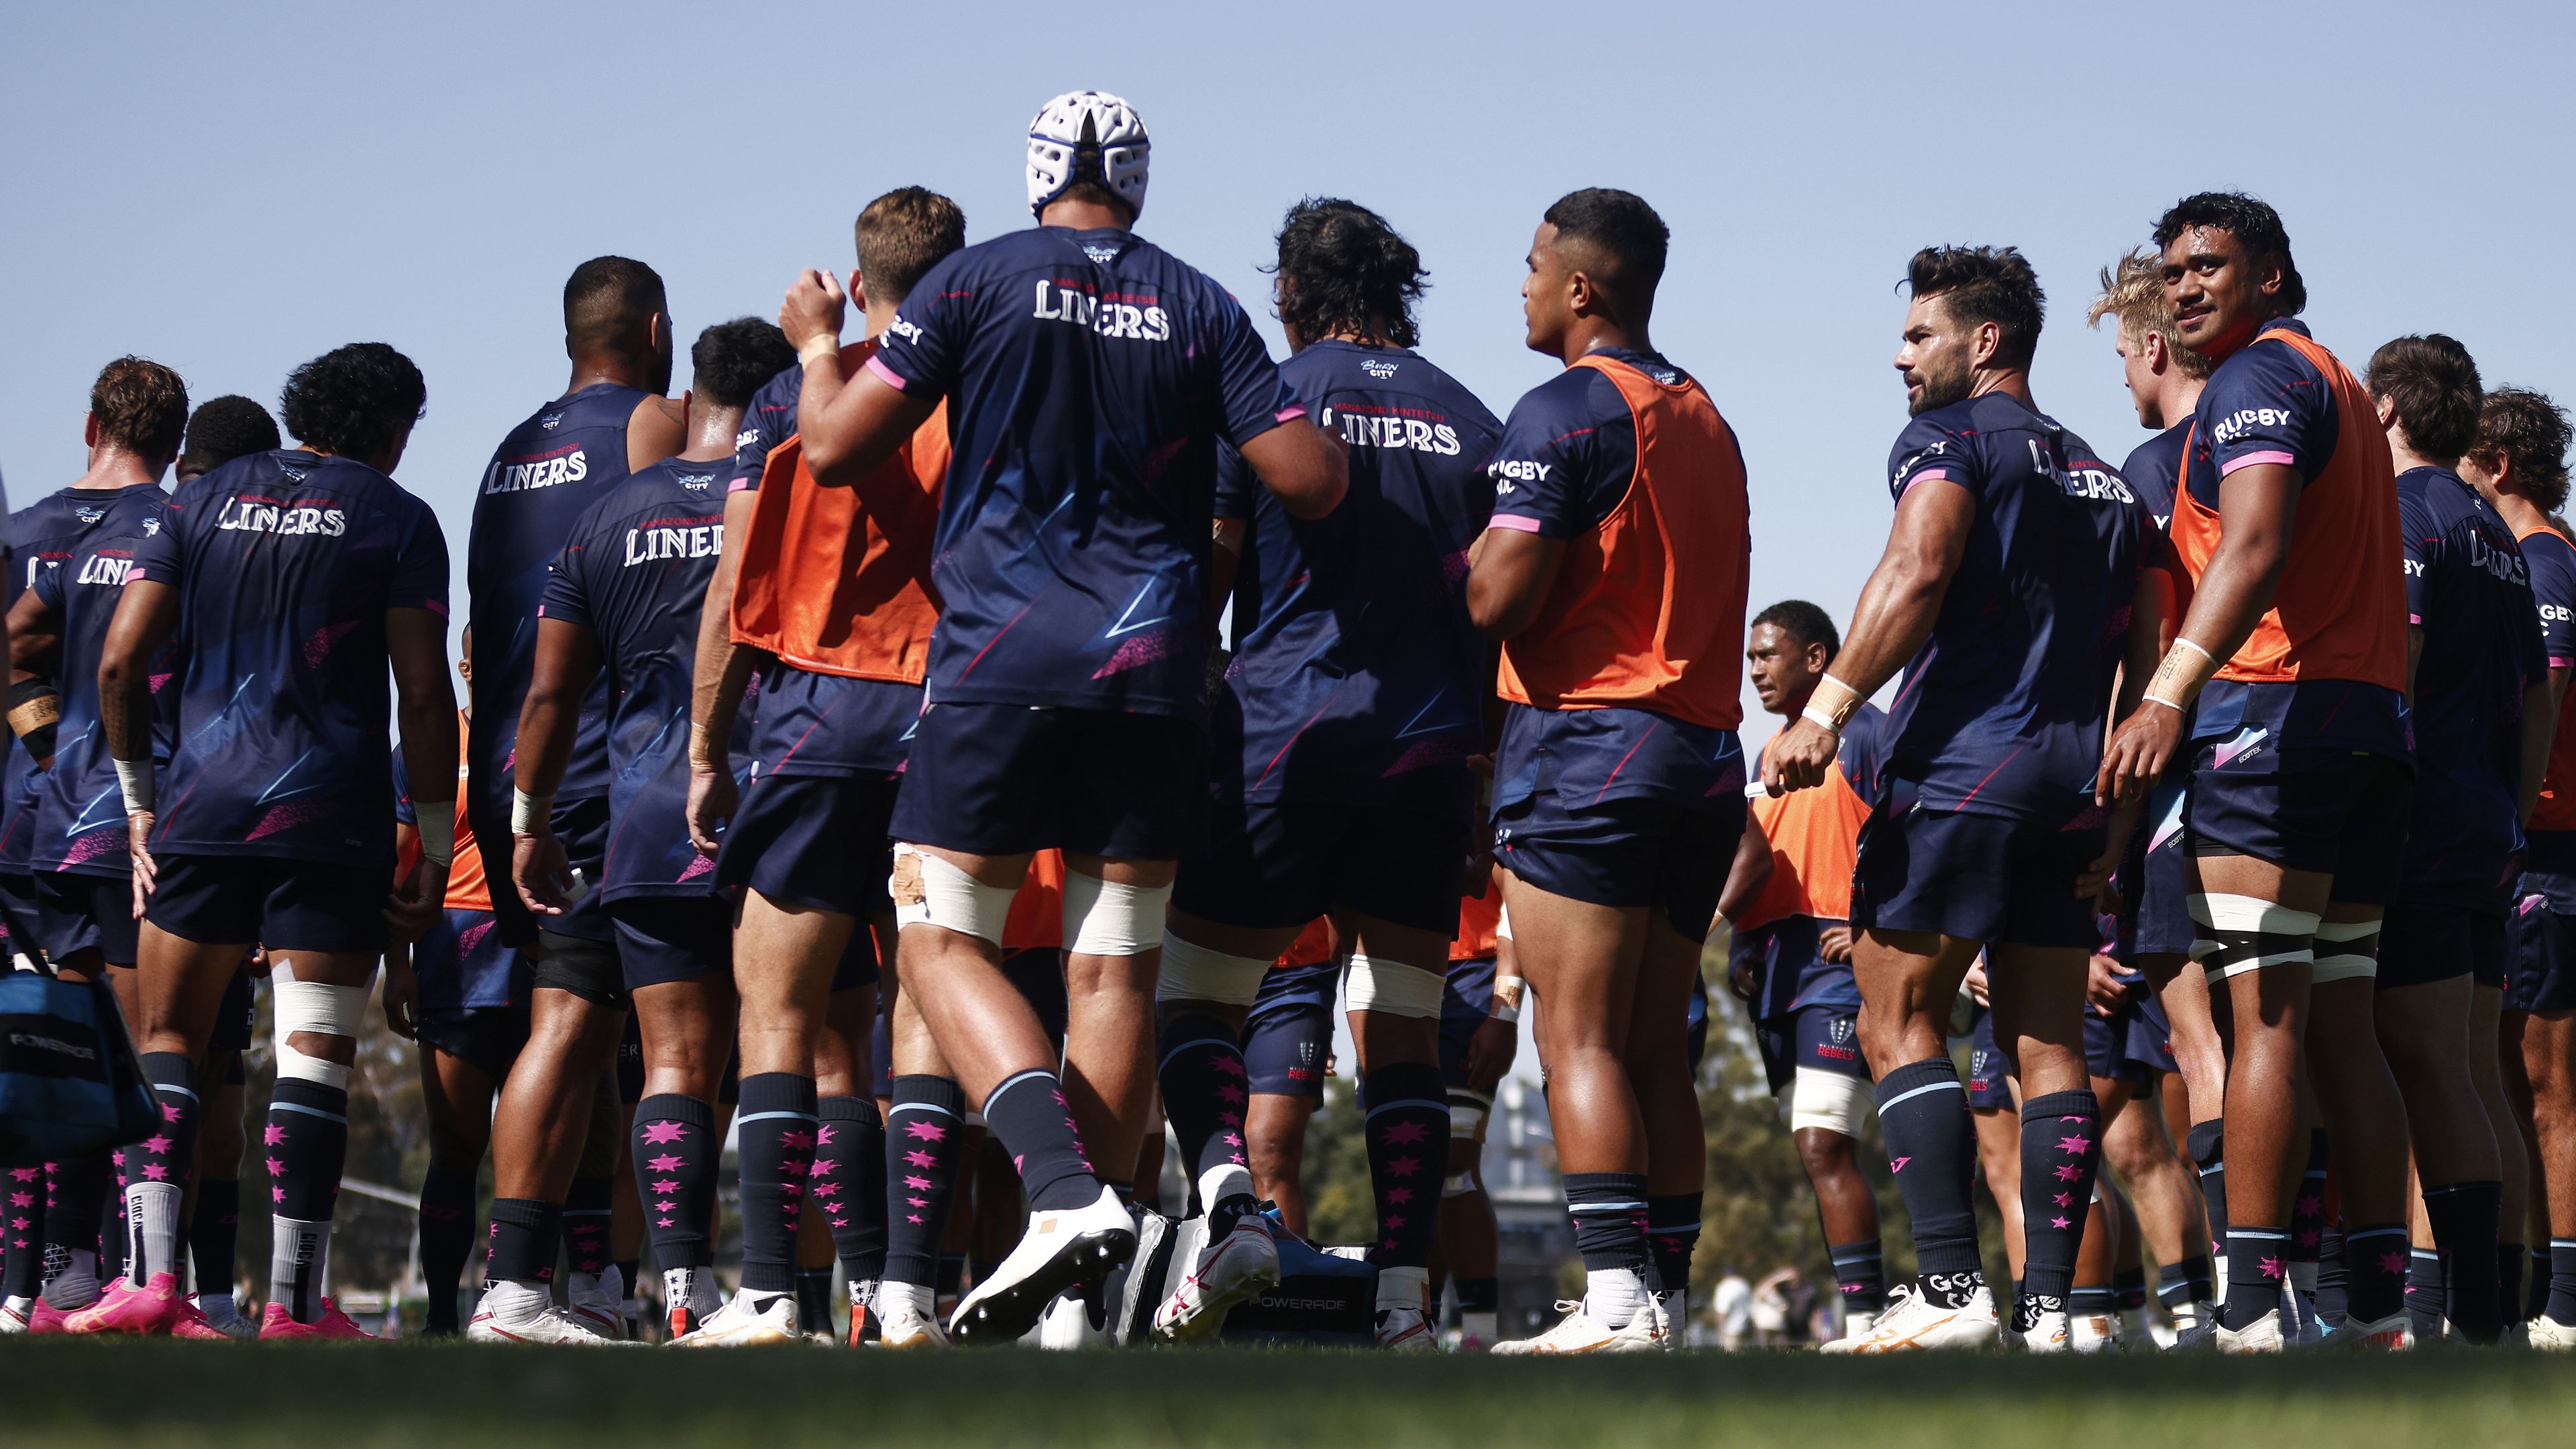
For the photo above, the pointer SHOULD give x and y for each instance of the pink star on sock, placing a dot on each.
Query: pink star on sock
(1229, 1094)
(1399, 1194)
(657, 1133)
(662, 1223)
(920, 1159)
(154, 1171)
(2057, 1222)
(796, 1139)
(156, 1144)
(919, 1202)
(2392, 1262)
(1393, 1223)
(2310, 1203)
(169, 1111)
(1403, 1134)
(913, 1218)
(666, 1205)
(667, 1162)
(840, 1222)
(2063, 1199)
(276, 1168)
(271, 1135)
(2271, 1266)
(1232, 1067)
(823, 1134)
(1403, 1167)
(1232, 1139)
(23, 1174)
(2069, 1173)
(922, 1131)
(917, 1184)
(1897, 1164)
(2075, 1145)
(2308, 1239)
(277, 1194)
(821, 1167)
(667, 1185)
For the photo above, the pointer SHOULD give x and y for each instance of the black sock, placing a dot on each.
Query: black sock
(1028, 1115)
(2424, 1293)
(849, 1184)
(214, 1232)
(1609, 1212)
(2129, 1288)
(774, 1148)
(1205, 1088)
(2334, 1278)
(168, 1158)
(1932, 1149)
(2374, 1259)
(2257, 1264)
(952, 1275)
(922, 1132)
(80, 1186)
(1672, 1234)
(677, 1153)
(585, 1223)
(2560, 1305)
(1479, 1295)
(2541, 1283)
(525, 1234)
(306, 1141)
(2061, 1149)
(2091, 1300)
(2207, 1145)
(2509, 1282)
(814, 1300)
(2466, 1221)
(2186, 1282)
(1860, 1271)
(24, 1275)
(446, 1240)
(1406, 1134)
(2308, 1205)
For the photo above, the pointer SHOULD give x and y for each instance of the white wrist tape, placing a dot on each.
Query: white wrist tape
(1192, 972)
(529, 813)
(928, 891)
(134, 777)
(1392, 988)
(1820, 719)
(437, 827)
(1508, 991)
(1830, 1100)
(1104, 918)
(319, 1008)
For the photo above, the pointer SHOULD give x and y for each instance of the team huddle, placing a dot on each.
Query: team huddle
(938, 762)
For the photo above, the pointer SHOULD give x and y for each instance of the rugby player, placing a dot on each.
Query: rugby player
(2518, 463)
(554, 1143)
(291, 580)
(1988, 820)
(825, 592)
(467, 1006)
(624, 601)
(2482, 718)
(2286, 526)
(1287, 1055)
(1340, 768)
(1480, 1012)
(1792, 950)
(1092, 377)
(1618, 660)
(2164, 379)
(138, 415)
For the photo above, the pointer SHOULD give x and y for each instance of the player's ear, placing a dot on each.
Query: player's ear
(2159, 357)
(89, 430)
(1984, 343)
(857, 290)
(2386, 407)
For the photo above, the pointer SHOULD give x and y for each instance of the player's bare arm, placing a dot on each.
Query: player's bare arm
(425, 715)
(723, 672)
(567, 660)
(145, 615)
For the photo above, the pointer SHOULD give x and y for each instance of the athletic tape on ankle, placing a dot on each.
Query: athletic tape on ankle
(1104, 918)
(2346, 951)
(1192, 972)
(2235, 934)
(1829, 1100)
(1392, 988)
(929, 891)
(317, 1007)
(1460, 1184)
(1467, 1111)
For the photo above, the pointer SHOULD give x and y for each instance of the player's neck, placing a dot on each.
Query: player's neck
(1591, 334)
(590, 372)
(881, 313)
(2403, 455)
(1082, 214)
(711, 433)
(112, 467)
(2177, 396)
(2011, 381)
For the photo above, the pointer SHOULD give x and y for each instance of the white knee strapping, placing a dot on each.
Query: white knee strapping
(1192, 972)
(1392, 987)
(319, 1008)
(1829, 1100)
(1467, 1112)
(2235, 934)
(1104, 918)
(1502, 923)
(2346, 951)
(929, 891)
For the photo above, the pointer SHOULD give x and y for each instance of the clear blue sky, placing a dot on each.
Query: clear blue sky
(234, 189)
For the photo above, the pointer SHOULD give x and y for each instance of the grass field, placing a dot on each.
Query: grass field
(66, 1393)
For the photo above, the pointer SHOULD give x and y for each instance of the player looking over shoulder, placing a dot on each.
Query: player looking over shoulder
(1613, 572)
(2011, 563)
(1090, 377)
(2293, 649)
(295, 582)
(1340, 774)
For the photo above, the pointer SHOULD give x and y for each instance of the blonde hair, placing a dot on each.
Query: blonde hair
(2134, 292)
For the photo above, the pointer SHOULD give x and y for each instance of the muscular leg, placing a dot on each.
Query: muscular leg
(306, 1137)
(1658, 1063)
(2513, 1145)
(1275, 1129)
(849, 1187)
(2424, 1031)
(2039, 1017)
(1999, 1158)
(1109, 1024)
(214, 1219)
(2164, 1195)
(1406, 1131)
(541, 1128)
(1470, 1238)
(1907, 982)
(2549, 1062)
(458, 1095)
(1848, 1209)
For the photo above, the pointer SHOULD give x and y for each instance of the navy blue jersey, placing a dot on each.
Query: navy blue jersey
(1569, 453)
(635, 572)
(545, 474)
(2469, 591)
(1356, 666)
(1090, 377)
(44, 535)
(2552, 835)
(286, 563)
(825, 724)
(79, 823)
(769, 420)
(2267, 403)
(2002, 709)
(2154, 471)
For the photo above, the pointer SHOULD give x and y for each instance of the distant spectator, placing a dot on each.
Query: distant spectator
(1732, 1306)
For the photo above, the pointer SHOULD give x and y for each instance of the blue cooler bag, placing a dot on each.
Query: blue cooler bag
(69, 1080)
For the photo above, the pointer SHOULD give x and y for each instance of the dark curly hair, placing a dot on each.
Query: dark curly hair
(1986, 284)
(223, 429)
(1342, 268)
(732, 359)
(353, 400)
(2524, 426)
(2434, 383)
(2254, 224)
(141, 407)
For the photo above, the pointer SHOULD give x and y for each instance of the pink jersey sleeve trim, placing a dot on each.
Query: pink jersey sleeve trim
(2557, 661)
(1514, 522)
(135, 574)
(2415, 619)
(2249, 460)
(739, 484)
(887, 375)
(1289, 413)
